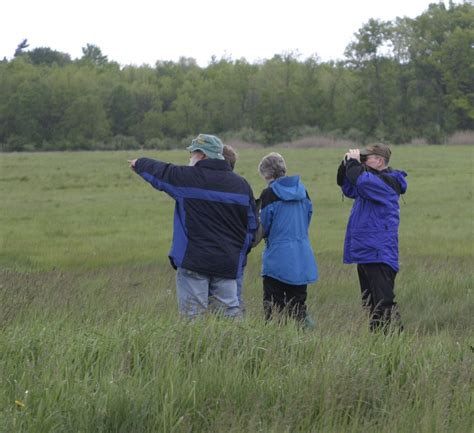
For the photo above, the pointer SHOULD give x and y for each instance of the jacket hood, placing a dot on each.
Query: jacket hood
(289, 188)
(399, 176)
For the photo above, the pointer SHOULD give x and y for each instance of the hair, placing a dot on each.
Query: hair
(272, 166)
(230, 155)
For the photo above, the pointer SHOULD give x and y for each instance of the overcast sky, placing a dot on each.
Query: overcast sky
(144, 31)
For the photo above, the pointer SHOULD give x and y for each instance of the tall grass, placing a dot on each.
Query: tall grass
(90, 340)
(143, 372)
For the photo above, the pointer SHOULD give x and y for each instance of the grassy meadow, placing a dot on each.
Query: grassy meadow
(90, 340)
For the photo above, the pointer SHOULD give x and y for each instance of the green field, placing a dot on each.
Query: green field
(90, 340)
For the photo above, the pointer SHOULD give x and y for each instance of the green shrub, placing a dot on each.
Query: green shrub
(124, 142)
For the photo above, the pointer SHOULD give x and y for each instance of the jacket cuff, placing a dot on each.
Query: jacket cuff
(353, 170)
(139, 165)
(341, 174)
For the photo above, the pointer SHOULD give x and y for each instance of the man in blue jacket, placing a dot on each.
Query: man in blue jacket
(214, 224)
(288, 260)
(372, 231)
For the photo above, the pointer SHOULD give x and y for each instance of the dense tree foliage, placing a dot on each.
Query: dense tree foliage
(399, 80)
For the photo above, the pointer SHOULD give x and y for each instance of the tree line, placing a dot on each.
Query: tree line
(399, 80)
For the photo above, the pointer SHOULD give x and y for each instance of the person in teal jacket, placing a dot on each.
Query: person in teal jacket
(288, 264)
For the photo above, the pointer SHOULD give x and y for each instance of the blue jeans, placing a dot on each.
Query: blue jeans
(240, 286)
(194, 290)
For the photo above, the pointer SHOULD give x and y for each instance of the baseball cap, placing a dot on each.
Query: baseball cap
(209, 144)
(377, 149)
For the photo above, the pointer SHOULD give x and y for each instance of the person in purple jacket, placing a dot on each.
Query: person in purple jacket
(372, 231)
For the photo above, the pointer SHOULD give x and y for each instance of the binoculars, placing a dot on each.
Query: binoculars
(363, 158)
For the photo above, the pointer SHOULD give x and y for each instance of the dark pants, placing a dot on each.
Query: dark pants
(377, 282)
(284, 298)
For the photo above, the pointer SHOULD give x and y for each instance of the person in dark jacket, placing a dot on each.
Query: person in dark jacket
(214, 224)
(288, 260)
(372, 231)
(231, 157)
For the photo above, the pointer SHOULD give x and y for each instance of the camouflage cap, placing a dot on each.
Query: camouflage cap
(209, 144)
(377, 149)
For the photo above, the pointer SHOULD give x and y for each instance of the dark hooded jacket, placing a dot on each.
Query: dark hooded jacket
(215, 215)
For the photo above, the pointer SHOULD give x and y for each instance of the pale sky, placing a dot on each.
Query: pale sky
(144, 31)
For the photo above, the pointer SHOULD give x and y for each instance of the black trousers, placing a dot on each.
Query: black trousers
(284, 298)
(377, 284)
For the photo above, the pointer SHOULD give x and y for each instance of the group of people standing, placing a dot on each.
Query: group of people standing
(217, 222)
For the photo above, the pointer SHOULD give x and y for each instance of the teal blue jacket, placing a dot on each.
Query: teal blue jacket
(286, 212)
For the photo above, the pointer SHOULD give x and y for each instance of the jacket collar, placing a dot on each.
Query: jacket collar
(213, 164)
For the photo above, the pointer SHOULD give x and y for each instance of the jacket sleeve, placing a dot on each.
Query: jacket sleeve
(341, 174)
(161, 175)
(342, 180)
(348, 189)
(252, 215)
(353, 170)
(267, 197)
(258, 236)
(266, 219)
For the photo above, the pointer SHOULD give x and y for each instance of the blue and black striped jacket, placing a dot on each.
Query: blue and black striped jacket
(215, 215)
